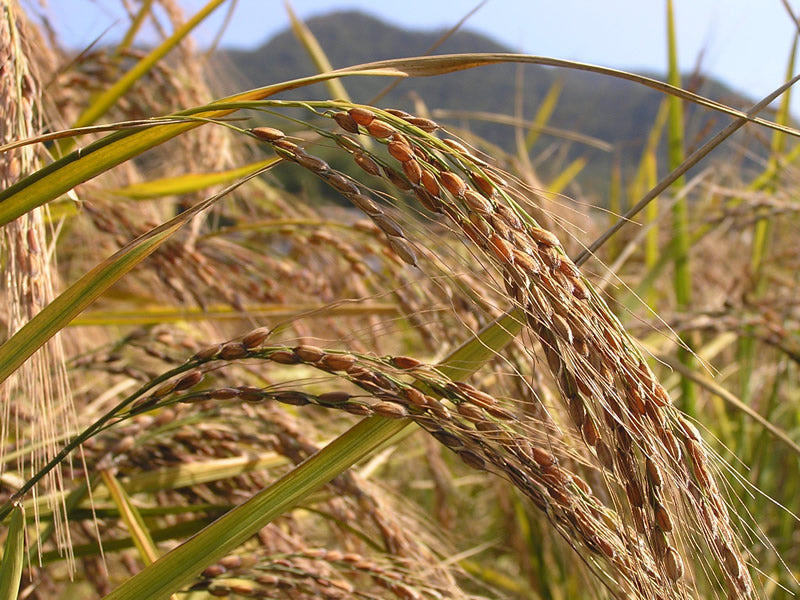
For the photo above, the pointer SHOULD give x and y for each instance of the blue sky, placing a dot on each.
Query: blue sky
(745, 43)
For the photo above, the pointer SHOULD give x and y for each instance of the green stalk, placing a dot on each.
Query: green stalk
(646, 178)
(136, 24)
(651, 245)
(180, 530)
(693, 159)
(682, 281)
(72, 301)
(614, 203)
(543, 113)
(762, 234)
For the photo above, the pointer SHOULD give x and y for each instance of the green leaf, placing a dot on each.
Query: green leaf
(78, 296)
(167, 478)
(133, 520)
(543, 113)
(83, 164)
(185, 184)
(563, 179)
(13, 556)
(167, 314)
(682, 274)
(79, 166)
(316, 53)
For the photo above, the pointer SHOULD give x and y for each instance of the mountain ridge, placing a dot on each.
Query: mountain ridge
(611, 109)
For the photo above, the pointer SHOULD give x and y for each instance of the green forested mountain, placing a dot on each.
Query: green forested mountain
(616, 111)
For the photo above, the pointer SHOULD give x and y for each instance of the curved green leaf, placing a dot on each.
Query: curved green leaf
(185, 184)
(168, 314)
(98, 157)
(81, 165)
(78, 296)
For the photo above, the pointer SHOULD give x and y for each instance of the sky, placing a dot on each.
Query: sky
(744, 43)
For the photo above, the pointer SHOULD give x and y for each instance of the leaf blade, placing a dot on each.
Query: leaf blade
(13, 556)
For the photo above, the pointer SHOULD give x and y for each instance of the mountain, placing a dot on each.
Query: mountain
(614, 110)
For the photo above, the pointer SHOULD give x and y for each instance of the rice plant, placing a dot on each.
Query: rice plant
(214, 384)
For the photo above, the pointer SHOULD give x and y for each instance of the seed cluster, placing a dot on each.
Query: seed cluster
(614, 401)
(477, 427)
(344, 185)
(315, 573)
(192, 434)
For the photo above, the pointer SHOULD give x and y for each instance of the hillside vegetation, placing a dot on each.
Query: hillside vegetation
(616, 112)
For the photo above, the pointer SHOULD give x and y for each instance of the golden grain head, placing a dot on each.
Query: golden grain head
(415, 397)
(292, 397)
(428, 200)
(189, 380)
(400, 150)
(544, 237)
(284, 357)
(224, 393)
(673, 565)
(364, 204)
(427, 125)
(342, 183)
(390, 410)
(346, 122)
(429, 182)
(503, 250)
(208, 352)
(286, 145)
(165, 388)
(405, 362)
(312, 163)
(472, 459)
(403, 249)
(485, 186)
(456, 145)
(269, 134)
(362, 116)
(477, 202)
(338, 362)
(367, 163)
(380, 129)
(388, 225)
(333, 398)
(397, 180)
(452, 183)
(256, 337)
(413, 171)
(233, 350)
(662, 518)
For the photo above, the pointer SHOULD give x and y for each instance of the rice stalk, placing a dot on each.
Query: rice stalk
(680, 212)
(762, 231)
(584, 346)
(37, 400)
